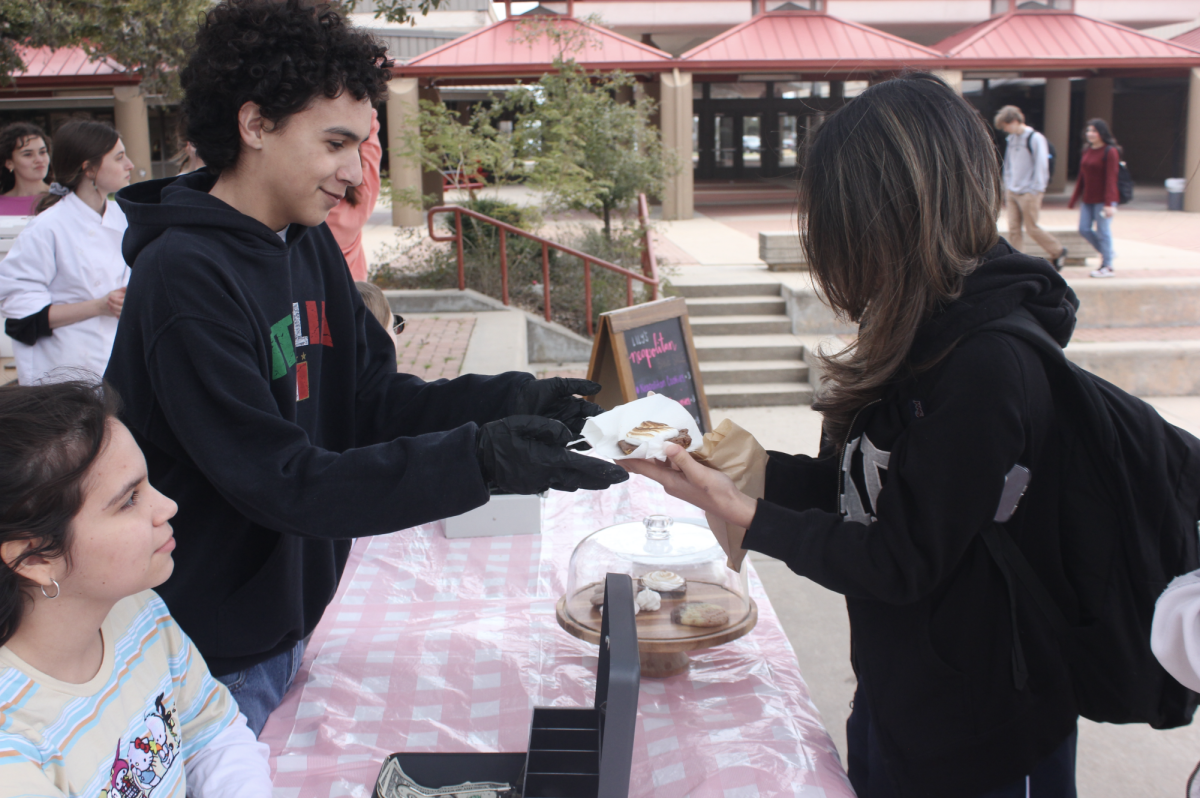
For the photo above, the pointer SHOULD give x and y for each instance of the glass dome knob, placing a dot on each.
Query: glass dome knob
(658, 527)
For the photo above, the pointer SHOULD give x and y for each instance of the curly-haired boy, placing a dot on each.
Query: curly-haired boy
(264, 395)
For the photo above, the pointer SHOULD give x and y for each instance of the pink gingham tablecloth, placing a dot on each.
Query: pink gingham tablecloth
(447, 645)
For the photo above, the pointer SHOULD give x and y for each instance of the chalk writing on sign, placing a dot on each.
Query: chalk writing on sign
(659, 362)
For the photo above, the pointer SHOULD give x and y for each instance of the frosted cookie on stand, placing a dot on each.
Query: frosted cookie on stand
(646, 600)
(667, 584)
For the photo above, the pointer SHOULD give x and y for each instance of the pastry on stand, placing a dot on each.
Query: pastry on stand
(687, 599)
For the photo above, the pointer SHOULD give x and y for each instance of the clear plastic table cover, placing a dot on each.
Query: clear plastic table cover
(446, 645)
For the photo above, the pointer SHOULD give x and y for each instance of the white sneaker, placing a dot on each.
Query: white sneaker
(1104, 271)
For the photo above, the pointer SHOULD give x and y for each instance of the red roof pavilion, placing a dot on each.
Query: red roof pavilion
(496, 51)
(809, 41)
(1189, 39)
(1034, 40)
(47, 67)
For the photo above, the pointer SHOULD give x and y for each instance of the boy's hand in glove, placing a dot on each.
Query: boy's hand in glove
(555, 398)
(527, 454)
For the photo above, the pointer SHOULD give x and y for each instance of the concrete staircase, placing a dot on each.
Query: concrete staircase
(1140, 334)
(748, 354)
(753, 338)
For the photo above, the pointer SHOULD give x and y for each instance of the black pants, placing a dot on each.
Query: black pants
(1053, 777)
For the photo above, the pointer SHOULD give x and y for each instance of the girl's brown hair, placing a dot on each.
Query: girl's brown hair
(49, 437)
(13, 138)
(899, 198)
(79, 145)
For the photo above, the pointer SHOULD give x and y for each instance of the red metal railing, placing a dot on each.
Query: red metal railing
(649, 266)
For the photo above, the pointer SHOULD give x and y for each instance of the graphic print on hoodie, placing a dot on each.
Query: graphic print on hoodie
(266, 401)
(289, 337)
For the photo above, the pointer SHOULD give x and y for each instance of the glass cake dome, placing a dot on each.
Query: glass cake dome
(683, 588)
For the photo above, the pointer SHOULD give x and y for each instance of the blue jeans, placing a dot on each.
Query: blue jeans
(1053, 777)
(1092, 213)
(260, 688)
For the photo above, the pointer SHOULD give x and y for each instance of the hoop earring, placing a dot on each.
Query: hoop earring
(57, 590)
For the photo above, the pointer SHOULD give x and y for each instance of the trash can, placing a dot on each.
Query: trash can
(1175, 186)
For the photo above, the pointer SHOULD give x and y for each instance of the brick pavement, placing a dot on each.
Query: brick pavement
(433, 347)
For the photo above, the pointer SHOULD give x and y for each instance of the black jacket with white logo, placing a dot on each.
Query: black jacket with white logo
(890, 517)
(266, 400)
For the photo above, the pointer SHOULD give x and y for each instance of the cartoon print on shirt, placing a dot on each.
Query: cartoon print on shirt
(142, 759)
(874, 461)
(147, 758)
(164, 729)
(120, 779)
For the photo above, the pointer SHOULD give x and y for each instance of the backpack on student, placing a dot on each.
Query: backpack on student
(1049, 149)
(1129, 524)
(1124, 180)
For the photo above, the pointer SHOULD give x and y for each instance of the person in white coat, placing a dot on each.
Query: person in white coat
(63, 282)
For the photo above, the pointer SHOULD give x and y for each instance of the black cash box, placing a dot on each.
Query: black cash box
(574, 752)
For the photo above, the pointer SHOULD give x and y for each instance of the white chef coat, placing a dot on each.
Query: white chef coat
(66, 254)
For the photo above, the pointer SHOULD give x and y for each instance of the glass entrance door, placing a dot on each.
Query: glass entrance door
(724, 150)
(737, 146)
(752, 146)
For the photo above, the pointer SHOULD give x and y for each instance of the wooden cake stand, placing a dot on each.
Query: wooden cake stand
(662, 643)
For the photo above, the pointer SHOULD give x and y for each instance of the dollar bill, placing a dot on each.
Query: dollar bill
(395, 783)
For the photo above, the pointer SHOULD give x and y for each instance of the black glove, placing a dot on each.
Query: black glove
(555, 398)
(526, 454)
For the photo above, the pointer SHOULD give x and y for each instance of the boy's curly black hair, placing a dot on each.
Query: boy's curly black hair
(278, 54)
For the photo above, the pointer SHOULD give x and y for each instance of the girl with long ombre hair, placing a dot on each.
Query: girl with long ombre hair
(962, 690)
(62, 284)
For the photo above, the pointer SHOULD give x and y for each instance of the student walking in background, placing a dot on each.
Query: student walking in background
(347, 218)
(24, 163)
(1026, 175)
(63, 283)
(1096, 190)
(101, 692)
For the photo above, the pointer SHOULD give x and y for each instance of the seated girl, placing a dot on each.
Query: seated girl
(101, 693)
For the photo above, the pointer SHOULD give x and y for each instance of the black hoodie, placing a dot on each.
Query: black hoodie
(267, 403)
(896, 530)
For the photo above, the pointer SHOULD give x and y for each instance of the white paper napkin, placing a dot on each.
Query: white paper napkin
(603, 431)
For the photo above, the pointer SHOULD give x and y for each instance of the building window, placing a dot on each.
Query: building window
(801, 90)
(789, 140)
(853, 88)
(737, 91)
(797, 5)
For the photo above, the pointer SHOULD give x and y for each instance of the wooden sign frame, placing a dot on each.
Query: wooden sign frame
(610, 365)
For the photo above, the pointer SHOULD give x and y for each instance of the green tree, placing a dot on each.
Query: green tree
(447, 143)
(151, 37)
(588, 148)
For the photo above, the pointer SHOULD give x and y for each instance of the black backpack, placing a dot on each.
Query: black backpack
(1124, 181)
(1130, 524)
(1049, 149)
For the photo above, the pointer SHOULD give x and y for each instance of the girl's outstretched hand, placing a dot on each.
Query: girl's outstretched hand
(705, 487)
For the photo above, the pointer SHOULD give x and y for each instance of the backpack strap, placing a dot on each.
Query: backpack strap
(1023, 325)
(1000, 545)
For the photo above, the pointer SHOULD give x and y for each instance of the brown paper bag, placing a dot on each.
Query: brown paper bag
(735, 453)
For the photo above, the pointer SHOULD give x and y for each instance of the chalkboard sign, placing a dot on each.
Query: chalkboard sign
(648, 348)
